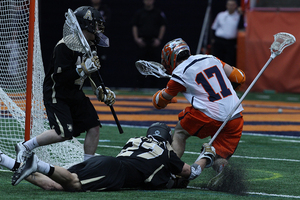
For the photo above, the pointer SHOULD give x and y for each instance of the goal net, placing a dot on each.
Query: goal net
(14, 47)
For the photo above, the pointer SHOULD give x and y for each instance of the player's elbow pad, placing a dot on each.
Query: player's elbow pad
(237, 77)
(159, 101)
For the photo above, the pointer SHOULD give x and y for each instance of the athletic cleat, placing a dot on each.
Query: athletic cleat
(28, 167)
(22, 152)
(216, 182)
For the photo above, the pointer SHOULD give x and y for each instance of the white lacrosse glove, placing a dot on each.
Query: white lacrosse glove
(109, 98)
(209, 152)
(88, 66)
(195, 171)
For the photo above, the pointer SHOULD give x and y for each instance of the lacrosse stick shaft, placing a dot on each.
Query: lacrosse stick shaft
(240, 101)
(111, 107)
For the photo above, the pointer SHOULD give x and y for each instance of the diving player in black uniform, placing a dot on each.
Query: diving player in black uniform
(144, 162)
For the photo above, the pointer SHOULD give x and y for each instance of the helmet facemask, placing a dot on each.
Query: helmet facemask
(101, 39)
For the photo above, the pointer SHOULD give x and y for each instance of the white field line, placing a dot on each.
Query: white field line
(235, 156)
(268, 135)
(274, 195)
(250, 134)
(82, 139)
(281, 140)
(253, 158)
(255, 193)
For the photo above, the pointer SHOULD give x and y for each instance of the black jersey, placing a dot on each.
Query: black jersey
(143, 162)
(61, 79)
(154, 161)
(148, 22)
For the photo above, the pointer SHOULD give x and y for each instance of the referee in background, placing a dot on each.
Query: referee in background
(225, 29)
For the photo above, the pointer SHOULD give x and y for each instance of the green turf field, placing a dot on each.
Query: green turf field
(270, 163)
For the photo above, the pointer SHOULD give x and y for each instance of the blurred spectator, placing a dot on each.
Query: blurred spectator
(103, 9)
(149, 25)
(225, 28)
(102, 52)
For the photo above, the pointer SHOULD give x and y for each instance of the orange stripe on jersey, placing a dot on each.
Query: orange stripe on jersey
(221, 62)
(173, 88)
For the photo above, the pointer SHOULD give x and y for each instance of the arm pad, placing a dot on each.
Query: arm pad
(159, 101)
(237, 77)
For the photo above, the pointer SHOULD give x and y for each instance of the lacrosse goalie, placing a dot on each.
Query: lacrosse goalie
(69, 111)
(208, 84)
(144, 162)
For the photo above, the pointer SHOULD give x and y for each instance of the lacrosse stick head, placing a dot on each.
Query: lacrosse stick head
(281, 41)
(151, 68)
(73, 36)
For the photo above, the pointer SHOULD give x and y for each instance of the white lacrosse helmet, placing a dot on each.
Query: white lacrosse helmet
(170, 52)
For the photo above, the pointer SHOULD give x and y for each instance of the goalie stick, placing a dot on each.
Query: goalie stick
(75, 40)
(281, 41)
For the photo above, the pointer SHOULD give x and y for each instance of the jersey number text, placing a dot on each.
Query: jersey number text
(211, 72)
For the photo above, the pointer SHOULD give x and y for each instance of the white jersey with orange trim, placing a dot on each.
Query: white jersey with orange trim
(207, 87)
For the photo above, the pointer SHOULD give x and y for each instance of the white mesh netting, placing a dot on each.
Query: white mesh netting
(14, 25)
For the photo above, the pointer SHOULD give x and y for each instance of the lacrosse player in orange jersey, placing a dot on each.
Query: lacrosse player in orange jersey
(208, 84)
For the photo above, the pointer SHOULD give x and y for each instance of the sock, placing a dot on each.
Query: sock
(8, 162)
(31, 144)
(45, 168)
(87, 156)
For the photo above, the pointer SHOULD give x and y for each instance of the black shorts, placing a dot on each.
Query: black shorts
(100, 173)
(69, 120)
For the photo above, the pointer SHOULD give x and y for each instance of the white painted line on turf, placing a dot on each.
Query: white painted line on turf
(263, 158)
(253, 158)
(255, 193)
(281, 140)
(269, 135)
(274, 195)
(251, 134)
(82, 139)
(236, 156)
(108, 146)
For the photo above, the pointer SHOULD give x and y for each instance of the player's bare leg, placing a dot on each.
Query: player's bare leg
(49, 137)
(43, 182)
(61, 179)
(179, 140)
(91, 142)
(69, 181)
(47, 177)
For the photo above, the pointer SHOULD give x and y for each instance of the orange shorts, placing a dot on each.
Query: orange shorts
(198, 124)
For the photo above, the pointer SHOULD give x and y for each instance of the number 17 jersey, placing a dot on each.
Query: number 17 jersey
(207, 87)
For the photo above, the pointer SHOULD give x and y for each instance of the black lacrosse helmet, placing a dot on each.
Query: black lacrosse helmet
(160, 131)
(91, 20)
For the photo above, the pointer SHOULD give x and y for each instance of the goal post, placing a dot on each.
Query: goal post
(29, 69)
(22, 112)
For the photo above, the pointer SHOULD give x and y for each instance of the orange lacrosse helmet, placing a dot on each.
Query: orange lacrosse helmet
(170, 52)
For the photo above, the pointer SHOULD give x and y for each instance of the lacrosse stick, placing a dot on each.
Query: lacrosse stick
(75, 40)
(151, 68)
(281, 41)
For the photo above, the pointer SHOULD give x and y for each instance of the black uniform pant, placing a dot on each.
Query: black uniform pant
(225, 50)
(100, 173)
